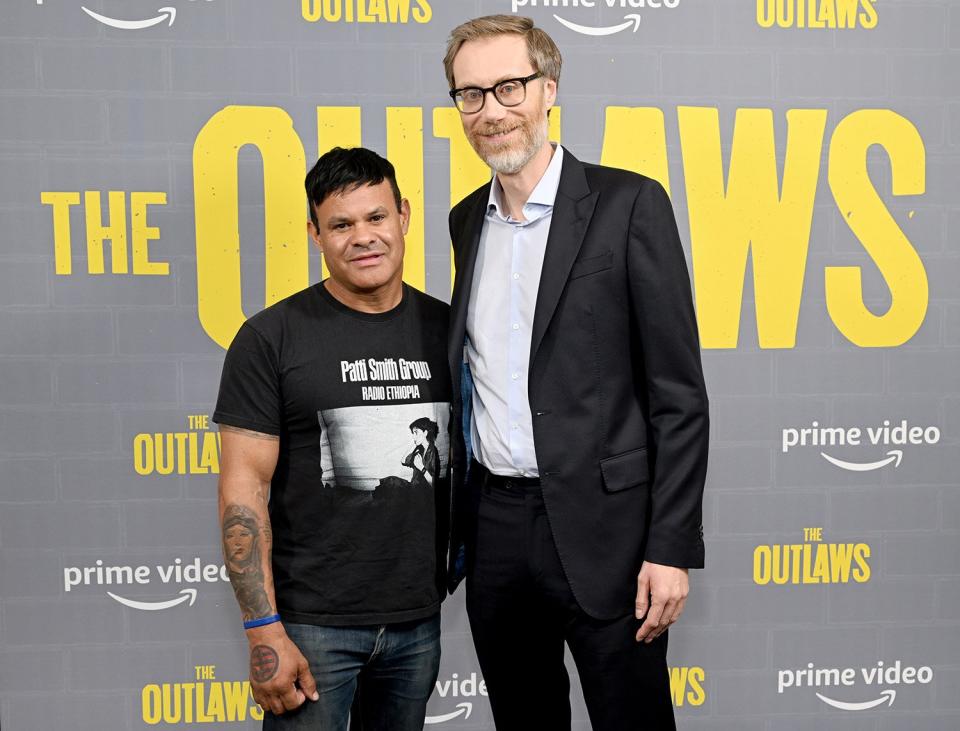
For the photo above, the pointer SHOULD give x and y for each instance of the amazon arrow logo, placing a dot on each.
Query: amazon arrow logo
(886, 696)
(587, 30)
(463, 709)
(165, 14)
(185, 594)
(893, 455)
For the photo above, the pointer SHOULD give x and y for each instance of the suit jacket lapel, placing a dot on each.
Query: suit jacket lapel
(463, 281)
(572, 212)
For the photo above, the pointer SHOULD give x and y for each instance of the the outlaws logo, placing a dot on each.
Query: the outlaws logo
(123, 578)
(201, 700)
(886, 441)
(366, 11)
(814, 14)
(687, 685)
(811, 562)
(193, 451)
(831, 685)
(565, 13)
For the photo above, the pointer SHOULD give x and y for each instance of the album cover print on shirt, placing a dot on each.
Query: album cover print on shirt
(383, 448)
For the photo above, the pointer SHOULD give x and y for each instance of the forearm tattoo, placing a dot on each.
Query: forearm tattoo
(242, 551)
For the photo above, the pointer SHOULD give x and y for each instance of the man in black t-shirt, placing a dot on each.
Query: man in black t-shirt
(334, 531)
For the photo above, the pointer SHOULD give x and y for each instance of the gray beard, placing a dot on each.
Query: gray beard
(513, 161)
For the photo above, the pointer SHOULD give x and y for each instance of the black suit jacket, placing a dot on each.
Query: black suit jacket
(616, 389)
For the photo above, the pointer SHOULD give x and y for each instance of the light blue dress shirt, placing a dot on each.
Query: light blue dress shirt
(500, 325)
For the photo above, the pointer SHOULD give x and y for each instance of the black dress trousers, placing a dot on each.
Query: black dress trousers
(521, 612)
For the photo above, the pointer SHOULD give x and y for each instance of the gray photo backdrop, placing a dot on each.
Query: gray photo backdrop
(151, 161)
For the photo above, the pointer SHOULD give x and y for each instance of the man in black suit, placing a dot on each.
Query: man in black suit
(581, 452)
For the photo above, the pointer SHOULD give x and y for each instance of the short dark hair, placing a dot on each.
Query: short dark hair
(346, 169)
(428, 425)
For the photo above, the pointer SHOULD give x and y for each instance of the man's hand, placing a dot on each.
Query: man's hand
(280, 675)
(663, 591)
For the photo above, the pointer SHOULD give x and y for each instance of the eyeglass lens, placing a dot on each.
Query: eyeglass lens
(508, 93)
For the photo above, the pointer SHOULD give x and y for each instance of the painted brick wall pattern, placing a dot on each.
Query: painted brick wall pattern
(92, 363)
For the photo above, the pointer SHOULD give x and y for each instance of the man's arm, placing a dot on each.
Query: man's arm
(662, 306)
(280, 676)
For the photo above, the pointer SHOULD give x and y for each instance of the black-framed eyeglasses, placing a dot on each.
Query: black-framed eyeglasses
(509, 92)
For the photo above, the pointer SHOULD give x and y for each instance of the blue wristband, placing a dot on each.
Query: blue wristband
(251, 623)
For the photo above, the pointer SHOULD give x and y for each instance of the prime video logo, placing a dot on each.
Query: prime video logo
(454, 687)
(564, 7)
(827, 679)
(827, 439)
(119, 576)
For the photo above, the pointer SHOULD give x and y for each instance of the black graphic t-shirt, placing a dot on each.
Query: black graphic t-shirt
(358, 499)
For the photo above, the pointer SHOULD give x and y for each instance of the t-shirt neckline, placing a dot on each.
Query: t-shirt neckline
(365, 316)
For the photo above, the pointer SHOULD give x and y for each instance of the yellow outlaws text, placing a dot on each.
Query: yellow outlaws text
(745, 210)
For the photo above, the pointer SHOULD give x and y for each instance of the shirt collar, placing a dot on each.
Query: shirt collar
(542, 197)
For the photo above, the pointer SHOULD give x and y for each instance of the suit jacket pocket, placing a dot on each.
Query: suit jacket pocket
(625, 470)
(591, 265)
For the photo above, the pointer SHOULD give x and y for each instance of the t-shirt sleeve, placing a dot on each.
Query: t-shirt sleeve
(250, 384)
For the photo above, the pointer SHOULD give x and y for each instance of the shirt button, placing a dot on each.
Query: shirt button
(516, 275)
(516, 326)
(515, 376)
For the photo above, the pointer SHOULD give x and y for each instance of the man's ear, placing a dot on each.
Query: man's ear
(549, 92)
(314, 235)
(404, 215)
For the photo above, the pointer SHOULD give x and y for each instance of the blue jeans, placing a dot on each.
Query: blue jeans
(396, 665)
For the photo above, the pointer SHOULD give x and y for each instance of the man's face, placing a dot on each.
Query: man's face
(360, 233)
(506, 138)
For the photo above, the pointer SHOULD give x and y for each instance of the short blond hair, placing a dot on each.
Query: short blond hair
(542, 51)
